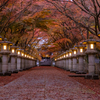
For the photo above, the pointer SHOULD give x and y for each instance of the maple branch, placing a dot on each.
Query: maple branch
(2, 5)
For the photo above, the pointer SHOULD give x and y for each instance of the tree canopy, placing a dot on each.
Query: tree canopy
(49, 26)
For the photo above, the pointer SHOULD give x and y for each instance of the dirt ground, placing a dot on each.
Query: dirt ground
(92, 84)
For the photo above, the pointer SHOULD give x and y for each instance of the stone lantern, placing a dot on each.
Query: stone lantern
(70, 59)
(67, 62)
(74, 59)
(29, 60)
(19, 61)
(0, 56)
(80, 55)
(28, 64)
(25, 60)
(91, 52)
(22, 59)
(13, 55)
(5, 51)
(64, 61)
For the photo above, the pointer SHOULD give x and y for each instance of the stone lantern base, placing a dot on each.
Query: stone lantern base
(80, 72)
(5, 74)
(89, 76)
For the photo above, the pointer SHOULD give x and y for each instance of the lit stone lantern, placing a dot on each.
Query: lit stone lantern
(25, 60)
(28, 61)
(98, 33)
(32, 61)
(64, 61)
(13, 55)
(67, 62)
(91, 51)
(70, 59)
(80, 55)
(74, 59)
(19, 65)
(0, 56)
(56, 62)
(22, 59)
(5, 51)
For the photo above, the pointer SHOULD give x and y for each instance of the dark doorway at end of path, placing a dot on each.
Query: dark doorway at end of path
(46, 61)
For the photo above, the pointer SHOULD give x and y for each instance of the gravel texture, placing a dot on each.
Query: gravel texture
(46, 83)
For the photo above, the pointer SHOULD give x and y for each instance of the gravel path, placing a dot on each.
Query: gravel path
(46, 83)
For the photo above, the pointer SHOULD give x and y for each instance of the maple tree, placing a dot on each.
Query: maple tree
(60, 23)
(85, 13)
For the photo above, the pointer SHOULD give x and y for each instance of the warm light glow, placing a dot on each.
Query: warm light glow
(18, 52)
(22, 54)
(55, 59)
(4, 47)
(74, 52)
(70, 54)
(25, 55)
(66, 55)
(0, 39)
(81, 50)
(13, 50)
(91, 46)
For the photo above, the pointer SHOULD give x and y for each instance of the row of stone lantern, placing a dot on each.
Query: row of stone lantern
(87, 47)
(19, 60)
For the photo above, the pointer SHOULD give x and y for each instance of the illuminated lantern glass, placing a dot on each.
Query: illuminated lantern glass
(64, 56)
(91, 46)
(70, 54)
(22, 54)
(25, 55)
(13, 50)
(4, 47)
(18, 52)
(74, 52)
(81, 50)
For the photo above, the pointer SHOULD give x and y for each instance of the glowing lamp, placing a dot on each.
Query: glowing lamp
(0, 38)
(81, 50)
(18, 52)
(4, 47)
(66, 55)
(25, 55)
(13, 50)
(91, 46)
(22, 54)
(70, 54)
(75, 52)
(98, 33)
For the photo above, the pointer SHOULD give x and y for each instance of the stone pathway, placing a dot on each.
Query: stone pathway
(46, 83)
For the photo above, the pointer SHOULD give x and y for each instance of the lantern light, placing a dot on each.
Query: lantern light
(18, 52)
(92, 46)
(74, 52)
(0, 38)
(4, 47)
(70, 54)
(98, 33)
(22, 54)
(13, 50)
(81, 50)
(66, 55)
